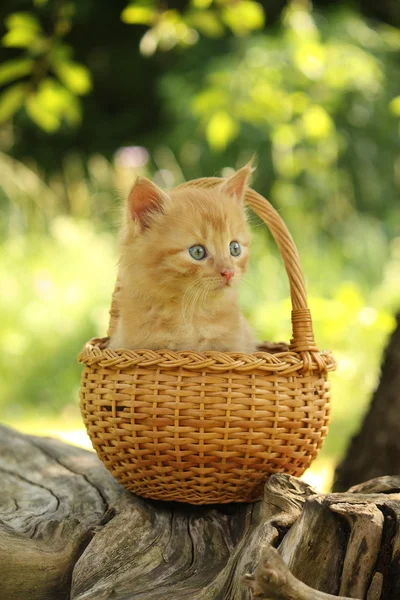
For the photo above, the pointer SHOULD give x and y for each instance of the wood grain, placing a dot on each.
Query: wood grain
(69, 530)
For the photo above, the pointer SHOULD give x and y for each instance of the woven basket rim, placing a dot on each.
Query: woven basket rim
(286, 362)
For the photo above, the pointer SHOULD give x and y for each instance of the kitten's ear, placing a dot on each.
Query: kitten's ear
(235, 185)
(145, 199)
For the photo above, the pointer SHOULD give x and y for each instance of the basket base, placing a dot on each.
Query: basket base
(225, 483)
(203, 428)
(200, 498)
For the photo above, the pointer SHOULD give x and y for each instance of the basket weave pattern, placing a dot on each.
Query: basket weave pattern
(209, 427)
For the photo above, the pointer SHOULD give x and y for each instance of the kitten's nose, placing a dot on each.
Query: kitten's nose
(227, 274)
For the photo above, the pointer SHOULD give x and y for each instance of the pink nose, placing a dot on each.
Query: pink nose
(227, 274)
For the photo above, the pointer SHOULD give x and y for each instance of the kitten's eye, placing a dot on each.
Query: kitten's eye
(235, 248)
(197, 252)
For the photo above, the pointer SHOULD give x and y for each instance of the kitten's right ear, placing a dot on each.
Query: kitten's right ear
(145, 199)
(235, 185)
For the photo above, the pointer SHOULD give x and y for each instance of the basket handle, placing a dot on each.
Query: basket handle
(302, 340)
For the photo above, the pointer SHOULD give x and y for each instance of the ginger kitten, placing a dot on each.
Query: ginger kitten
(182, 256)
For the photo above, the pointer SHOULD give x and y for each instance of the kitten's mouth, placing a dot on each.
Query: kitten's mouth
(219, 284)
(223, 284)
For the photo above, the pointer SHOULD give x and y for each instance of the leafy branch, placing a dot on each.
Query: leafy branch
(44, 80)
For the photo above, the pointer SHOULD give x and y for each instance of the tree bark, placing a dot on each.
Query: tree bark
(375, 450)
(68, 530)
(272, 580)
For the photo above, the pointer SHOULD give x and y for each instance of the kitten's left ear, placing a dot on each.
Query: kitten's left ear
(235, 185)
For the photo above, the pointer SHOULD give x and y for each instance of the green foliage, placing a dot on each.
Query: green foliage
(243, 17)
(14, 69)
(48, 71)
(52, 103)
(317, 102)
(221, 130)
(11, 100)
(49, 311)
(52, 81)
(23, 31)
(169, 28)
(395, 106)
(291, 86)
(316, 99)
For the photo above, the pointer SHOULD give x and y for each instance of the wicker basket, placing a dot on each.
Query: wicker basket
(210, 427)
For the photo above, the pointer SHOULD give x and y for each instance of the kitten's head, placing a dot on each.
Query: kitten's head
(192, 241)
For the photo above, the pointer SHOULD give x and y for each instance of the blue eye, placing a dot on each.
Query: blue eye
(235, 248)
(197, 252)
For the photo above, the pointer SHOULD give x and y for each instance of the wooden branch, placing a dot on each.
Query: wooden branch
(68, 530)
(366, 524)
(272, 580)
(388, 484)
(166, 551)
(52, 497)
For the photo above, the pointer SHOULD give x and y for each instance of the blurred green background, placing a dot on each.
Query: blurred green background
(94, 93)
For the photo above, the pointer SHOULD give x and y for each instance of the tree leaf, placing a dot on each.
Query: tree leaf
(143, 15)
(11, 100)
(317, 123)
(210, 100)
(243, 16)
(201, 4)
(207, 22)
(51, 104)
(221, 130)
(395, 106)
(22, 20)
(45, 119)
(14, 69)
(74, 76)
(20, 38)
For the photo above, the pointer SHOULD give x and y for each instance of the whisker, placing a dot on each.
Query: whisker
(188, 299)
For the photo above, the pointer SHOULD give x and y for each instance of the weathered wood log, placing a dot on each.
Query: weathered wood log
(272, 580)
(68, 530)
(375, 450)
